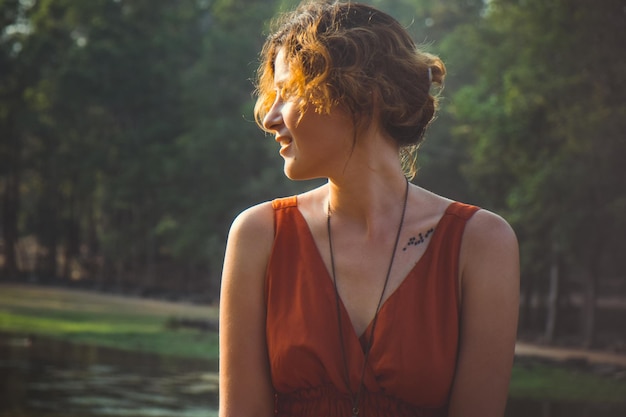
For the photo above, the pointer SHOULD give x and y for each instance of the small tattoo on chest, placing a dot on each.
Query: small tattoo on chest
(419, 239)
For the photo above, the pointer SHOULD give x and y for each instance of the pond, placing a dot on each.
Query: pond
(42, 377)
(529, 408)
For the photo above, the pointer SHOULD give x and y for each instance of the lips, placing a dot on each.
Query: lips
(283, 140)
(284, 143)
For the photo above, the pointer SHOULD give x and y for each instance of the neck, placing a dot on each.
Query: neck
(369, 187)
(367, 203)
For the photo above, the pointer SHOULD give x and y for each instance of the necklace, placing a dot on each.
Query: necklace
(356, 397)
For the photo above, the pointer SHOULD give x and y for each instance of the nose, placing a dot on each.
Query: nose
(274, 117)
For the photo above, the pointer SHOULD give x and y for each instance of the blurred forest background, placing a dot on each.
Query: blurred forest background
(127, 141)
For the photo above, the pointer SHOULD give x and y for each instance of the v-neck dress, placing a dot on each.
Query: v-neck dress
(412, 362)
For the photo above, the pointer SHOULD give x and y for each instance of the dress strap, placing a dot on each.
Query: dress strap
(285, 202)
(462, 210)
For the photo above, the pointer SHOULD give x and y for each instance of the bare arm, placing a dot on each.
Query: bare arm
(245, 382)
(489, 310)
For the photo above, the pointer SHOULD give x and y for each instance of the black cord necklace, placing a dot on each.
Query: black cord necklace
(356, 397)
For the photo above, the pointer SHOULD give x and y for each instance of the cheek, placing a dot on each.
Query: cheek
(291, 115)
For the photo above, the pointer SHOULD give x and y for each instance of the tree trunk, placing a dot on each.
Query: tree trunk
(47, 264)
(525, 319)
(546, 409)
(552, 306)
(588, 318)
(48, 230)
(149, 280)
(10, 210)
(72, 240)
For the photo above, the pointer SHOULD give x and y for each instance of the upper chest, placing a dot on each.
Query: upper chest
(365, 272)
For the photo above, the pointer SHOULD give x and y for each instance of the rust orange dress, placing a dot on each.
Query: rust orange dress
(412, 362)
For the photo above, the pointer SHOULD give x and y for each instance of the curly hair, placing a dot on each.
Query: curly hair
(356, 56)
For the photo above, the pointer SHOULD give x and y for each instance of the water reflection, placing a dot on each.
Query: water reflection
(46, 378)
(533, 408)
(43, 377)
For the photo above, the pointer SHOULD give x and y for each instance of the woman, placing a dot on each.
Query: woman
(367, 296)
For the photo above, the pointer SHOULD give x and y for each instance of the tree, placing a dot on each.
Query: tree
(226, 163)
(22, 54)
(533, 118)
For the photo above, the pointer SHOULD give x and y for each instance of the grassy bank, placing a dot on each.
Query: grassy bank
(141, 325)
(560, 383)
(105, 320)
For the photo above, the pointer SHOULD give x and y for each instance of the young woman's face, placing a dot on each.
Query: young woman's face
(313, 145)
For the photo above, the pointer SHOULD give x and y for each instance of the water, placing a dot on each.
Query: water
(530, 408)
(46, 378)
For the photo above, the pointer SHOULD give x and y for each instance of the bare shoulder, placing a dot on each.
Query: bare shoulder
(249, 243)
(489, 256)
(255, 221)
(245, 383)
(487, 231)
(489, 274)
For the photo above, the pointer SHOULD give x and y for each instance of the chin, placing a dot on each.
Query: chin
(295, 174)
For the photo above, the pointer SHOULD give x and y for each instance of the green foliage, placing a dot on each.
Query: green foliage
(135, 124)
(559, 383)
(128, 141)
(543, 118)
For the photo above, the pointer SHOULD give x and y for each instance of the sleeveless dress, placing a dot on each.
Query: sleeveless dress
(413, 359)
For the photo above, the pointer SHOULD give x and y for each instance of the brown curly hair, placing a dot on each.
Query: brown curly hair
(356, 56)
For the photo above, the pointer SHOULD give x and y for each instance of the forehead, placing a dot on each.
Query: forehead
(281, 68)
